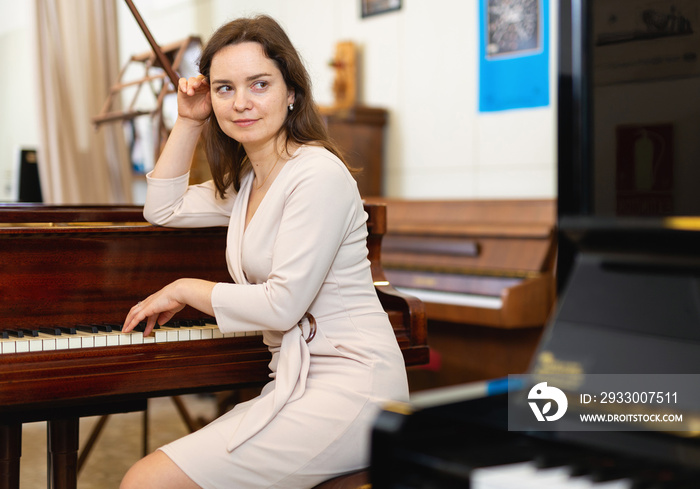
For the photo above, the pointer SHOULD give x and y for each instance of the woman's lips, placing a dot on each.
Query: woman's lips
(245, 122)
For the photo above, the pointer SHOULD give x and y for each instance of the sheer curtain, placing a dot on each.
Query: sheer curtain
(77, 53)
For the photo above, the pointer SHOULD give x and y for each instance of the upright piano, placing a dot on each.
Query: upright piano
(69, 275)
(480, 262)
(631, 306)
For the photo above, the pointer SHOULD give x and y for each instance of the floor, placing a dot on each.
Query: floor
(118, 446)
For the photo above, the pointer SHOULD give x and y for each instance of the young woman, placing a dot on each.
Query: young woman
(297, 254)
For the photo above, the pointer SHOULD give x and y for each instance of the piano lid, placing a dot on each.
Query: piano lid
(631, 303)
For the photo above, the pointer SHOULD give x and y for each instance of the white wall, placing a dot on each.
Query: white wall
(420, 63)
(18, 111)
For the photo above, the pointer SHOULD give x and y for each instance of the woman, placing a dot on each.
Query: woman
(298, 256)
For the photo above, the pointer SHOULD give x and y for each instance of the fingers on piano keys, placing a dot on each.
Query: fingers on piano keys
(22, 340)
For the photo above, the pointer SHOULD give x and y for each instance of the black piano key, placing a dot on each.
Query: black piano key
(29, 332)
(16, 333)
(4, 334)
(104, 328)
(88, 328)
(68, 329)
(141, 327)
(53, 331)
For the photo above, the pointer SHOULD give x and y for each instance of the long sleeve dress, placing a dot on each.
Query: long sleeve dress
(303, 251)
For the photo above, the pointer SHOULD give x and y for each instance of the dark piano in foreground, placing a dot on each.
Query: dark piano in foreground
(631, 306)
(61, 267)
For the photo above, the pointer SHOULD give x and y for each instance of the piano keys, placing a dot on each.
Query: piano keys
(107, 335)
(79, 268)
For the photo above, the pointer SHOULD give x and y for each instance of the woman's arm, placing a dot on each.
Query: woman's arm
(170, 200)
(194, 107)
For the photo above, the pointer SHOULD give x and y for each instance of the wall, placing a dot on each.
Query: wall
(420, 63)
(18, 118)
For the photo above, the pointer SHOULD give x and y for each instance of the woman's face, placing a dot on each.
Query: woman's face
(249, 95)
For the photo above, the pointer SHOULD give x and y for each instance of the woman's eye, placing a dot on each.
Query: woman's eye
(260, 85)
(223, 89)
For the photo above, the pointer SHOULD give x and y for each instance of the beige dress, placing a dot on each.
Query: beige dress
(304, 250)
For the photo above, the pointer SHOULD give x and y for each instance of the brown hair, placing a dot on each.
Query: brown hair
(227, 158)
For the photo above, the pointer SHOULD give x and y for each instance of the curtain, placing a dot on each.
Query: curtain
(77, 54)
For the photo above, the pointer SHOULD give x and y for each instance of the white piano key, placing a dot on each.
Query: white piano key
(87, 340)
(124, 338)
(48, 342)
(100, 339)
(8, 345)
(75, 342)
(35, 344)
(161, 336)
(113, 338)
(22, 345)
(136, 338)
(61, 342)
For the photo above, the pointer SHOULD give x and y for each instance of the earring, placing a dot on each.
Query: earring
(291, 107)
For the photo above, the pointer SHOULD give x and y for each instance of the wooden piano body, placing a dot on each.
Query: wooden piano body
(63, 266)
(481, 262)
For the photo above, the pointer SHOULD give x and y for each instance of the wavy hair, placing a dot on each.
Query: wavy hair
(303, 125)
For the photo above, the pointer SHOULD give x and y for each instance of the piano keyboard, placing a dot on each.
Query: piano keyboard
(460, 299)
(527, 475)
(24, 340)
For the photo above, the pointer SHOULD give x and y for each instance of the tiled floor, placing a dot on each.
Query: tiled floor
(118, 446)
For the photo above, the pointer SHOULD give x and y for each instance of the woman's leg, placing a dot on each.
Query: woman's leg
(156, 471)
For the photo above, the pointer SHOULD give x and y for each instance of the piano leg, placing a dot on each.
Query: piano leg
(62, 453)
(10, 452)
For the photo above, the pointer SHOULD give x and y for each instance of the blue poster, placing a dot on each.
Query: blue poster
(513, 54)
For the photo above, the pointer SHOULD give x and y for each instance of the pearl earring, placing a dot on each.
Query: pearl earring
(291, 107)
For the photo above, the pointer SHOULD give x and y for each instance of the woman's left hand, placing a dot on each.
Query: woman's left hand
(163, 305)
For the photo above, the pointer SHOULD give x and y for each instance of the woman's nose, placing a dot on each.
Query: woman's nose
(241, 101)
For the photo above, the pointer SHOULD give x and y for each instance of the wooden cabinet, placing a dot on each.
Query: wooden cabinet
(359, 132)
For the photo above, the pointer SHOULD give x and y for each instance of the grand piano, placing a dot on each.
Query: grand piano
(79, 269)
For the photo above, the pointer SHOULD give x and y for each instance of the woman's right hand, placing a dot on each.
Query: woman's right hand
(194, 98)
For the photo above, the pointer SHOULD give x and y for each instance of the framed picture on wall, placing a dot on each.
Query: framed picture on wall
(374, 7)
